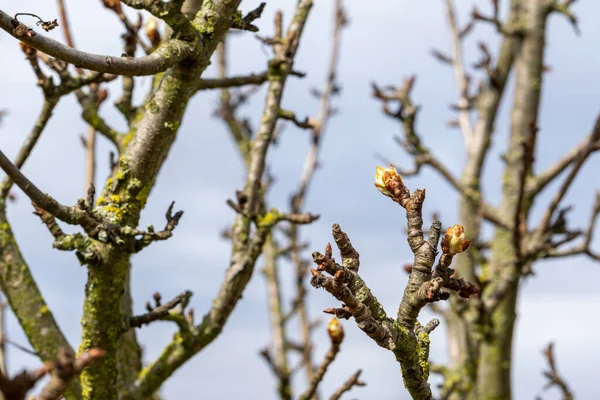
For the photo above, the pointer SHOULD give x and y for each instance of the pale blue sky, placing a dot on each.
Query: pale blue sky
(385, 42)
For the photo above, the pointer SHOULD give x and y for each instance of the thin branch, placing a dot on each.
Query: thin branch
(29, 144)
(235, 81)
(348, 385)
(90, 158)
(563, 8)
(150, 235)
(170, 12)
(160, 312)
(90, 103)
(554, 379)
(63, 369)
(553, 248)
(308, 170)
(64, 22)
(279, 361)
(245, 23)
(462, 80)
(562, 191)
(540, 181)
(291, 116)
(66, 214)
(167, 55)
(336, 335)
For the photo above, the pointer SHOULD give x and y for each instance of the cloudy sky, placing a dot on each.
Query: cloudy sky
(385, 42)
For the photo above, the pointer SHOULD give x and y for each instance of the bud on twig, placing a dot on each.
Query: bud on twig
(387, 180)
(152, 31)
(335, 331)
(454, 242)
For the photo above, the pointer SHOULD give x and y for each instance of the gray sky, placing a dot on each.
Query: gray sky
(385, 43)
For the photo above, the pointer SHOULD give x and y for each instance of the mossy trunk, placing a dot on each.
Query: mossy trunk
(506, 265)
(494, 369)
(102, 323)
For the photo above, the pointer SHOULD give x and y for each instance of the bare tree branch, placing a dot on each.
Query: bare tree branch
(348, 385)
(462, 79)
(554, 379)
(336, 335)
(167, 55)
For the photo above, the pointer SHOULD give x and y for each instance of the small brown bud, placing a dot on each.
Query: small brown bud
(114, 5)
(339, 277)
(27, 49)
(157, 298)
(101, 96)
(328, 251)
(152, 31)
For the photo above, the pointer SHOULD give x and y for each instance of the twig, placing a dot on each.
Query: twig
(542, 229)
(290, 116)
(235, 81)
(64, 21)
(553, 250)
(336, 335)
(245, 23)
(90, 158)
(161, 311)
(554, 379)
(539, 182)
(348, 385)
(150, 235)
(30, 142)
(462, 80)
(279, 361)
(22, 348)
(308, 170)
(63, 369)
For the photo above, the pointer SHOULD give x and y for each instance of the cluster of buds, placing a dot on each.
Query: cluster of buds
(389, 182)
(335, 331)
(454, 242)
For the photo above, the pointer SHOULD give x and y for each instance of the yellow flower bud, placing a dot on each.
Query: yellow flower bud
(454, 242)
(335, 330)
(383, 178)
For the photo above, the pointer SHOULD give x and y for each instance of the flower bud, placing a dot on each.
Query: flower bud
(335, 330)
(152, 31)
(385, 178)
(454, 242)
